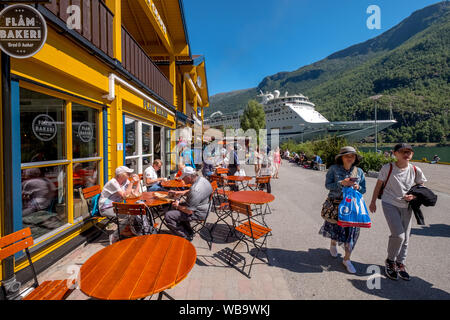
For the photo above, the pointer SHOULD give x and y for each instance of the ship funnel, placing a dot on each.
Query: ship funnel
(276, 93)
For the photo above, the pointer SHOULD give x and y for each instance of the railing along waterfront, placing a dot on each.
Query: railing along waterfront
(139, 64)
(96, 21)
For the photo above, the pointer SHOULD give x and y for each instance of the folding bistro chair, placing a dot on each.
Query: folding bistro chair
(138, 209)
(221, 209)
(91, 196)
(251, 232)
(198, 225)
(260, 183)
(48, 290)
(221, 184)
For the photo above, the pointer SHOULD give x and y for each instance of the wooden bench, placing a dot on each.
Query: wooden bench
(48, 290)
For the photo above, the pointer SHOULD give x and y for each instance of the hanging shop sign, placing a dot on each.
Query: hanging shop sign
(23, 31)
(44, 127)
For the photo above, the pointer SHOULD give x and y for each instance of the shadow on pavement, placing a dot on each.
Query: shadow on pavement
(415, 289)
(433, 230)
(311, 261)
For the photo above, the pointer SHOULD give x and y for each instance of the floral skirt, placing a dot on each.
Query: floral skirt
(347, 235)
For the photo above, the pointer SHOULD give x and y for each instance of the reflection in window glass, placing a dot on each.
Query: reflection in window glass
(42, 127)
(146, 139)
(44, 199)
(146, 162)
(84, 131)
(85, 175)
(132, 164)
(130, 136)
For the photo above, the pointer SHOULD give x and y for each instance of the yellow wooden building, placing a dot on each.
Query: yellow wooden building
(107, 92)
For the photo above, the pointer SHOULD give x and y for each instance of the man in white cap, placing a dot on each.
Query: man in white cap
(194, 208)
(117, 189)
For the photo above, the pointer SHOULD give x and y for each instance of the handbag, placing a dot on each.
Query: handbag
(330, 210)
(353, 210)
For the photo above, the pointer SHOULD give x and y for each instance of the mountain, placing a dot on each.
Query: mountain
(408, 65)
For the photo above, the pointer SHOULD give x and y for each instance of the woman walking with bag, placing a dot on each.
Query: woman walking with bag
(344, 173)
(394, 181)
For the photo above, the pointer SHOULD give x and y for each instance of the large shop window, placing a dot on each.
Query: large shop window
(142, 144)
(45, 162)
(86, 160)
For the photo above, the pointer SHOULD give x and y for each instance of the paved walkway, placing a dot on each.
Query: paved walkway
(301, 266)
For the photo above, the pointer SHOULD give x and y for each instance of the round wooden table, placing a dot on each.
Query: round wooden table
(251, 197)
(137, 267)
(174, 184)
(150, 199)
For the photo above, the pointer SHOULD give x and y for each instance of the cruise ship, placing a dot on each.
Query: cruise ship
(297, 119)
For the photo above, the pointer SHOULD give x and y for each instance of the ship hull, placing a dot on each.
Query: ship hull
(352, 130)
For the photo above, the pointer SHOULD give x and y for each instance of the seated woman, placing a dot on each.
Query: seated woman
(118, 189)
(151, 179)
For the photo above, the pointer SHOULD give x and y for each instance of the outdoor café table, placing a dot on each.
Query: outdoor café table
(153, 203)
(238, 179)
(138, 267)
(174, 184)
(252, 197)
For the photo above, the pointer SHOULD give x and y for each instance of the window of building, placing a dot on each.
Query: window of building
(143, 144)
(46, 162)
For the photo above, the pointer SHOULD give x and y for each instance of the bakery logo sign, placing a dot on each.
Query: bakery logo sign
(44, 127)
(85, 132)
(23, 31)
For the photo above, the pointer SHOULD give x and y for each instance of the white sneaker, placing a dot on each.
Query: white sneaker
(348, 264)
(333, 251)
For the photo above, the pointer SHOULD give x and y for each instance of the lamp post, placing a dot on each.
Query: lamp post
(375, 98)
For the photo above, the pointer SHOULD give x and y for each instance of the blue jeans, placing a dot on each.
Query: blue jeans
(155, 187)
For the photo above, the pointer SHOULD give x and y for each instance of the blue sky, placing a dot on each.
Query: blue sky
(245, 40)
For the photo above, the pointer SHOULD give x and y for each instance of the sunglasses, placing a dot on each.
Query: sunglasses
(405, 151)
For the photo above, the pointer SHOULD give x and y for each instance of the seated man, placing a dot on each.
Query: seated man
(316, 161)
(194, 208)
(151, 179)
(118, 189)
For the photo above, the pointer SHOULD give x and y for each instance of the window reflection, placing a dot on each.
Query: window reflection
(42, 127)
(84, 131)
(44, 199)
(130, 136)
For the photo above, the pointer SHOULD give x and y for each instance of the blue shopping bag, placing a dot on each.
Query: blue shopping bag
(353, 210)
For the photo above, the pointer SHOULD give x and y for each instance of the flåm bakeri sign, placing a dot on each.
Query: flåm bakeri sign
(23, 31)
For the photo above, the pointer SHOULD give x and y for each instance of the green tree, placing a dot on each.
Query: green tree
(254, 117)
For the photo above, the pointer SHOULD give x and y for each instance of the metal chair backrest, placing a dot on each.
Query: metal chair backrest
(240, 207)
(91, 191)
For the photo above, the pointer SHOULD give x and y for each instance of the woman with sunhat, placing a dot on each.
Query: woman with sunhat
(344, 173)
(398, 178)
